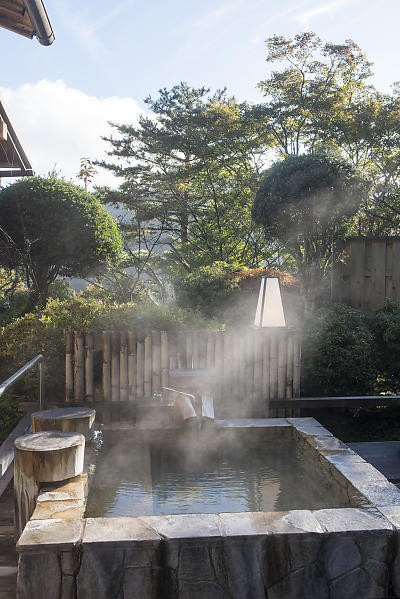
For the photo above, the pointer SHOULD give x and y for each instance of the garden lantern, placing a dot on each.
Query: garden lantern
(269, 311)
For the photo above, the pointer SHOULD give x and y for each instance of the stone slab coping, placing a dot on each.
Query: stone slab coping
(65, 534)
(62, 413)
(252, 423)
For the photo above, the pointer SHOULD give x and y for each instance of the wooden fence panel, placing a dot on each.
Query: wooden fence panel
(366, 271)
(252, 367)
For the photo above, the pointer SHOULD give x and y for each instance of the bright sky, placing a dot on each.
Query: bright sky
(108, 56)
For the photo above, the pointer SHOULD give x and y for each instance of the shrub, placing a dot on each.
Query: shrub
(337, 353)
(45, 332)
(386, 328)
(228, 292)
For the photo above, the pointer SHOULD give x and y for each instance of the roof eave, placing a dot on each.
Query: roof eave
(40, 21)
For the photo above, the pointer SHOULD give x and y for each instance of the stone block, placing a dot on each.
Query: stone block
(143, 583)
(354, 584)
(341, 554)
(243, 524)
(118, 531)
(345, 519)
(73, 489)
(50, 534)
(39, 575)
(305, 583)
(67, 510)
(252, 423)
(309, 426)
(203, 589)
(184, 526)
(101, 572)
(295, 521)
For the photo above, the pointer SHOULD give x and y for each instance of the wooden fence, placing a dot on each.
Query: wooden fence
(252, 366)
(366, 271)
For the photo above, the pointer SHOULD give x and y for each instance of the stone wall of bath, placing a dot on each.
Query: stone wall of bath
(347, 553)
(335, 554)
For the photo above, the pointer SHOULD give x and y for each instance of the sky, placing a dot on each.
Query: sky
(108, 56)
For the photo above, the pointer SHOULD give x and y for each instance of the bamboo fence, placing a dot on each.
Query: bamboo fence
(251, 366)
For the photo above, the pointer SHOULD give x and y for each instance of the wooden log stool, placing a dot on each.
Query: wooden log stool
(43, 457)
(68, 420)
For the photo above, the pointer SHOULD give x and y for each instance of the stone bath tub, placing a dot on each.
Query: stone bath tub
(336, 552)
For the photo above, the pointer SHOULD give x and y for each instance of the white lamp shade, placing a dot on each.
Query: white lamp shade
(269, 311)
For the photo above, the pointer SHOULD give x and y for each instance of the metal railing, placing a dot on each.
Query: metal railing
(39, 359)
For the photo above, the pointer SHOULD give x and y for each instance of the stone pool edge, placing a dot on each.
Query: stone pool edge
(347, 544)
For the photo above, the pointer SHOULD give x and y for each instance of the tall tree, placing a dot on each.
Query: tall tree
(317, 84)
(306, 202)
(190, 170)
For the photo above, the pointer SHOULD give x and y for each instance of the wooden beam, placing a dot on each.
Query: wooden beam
(366, 401)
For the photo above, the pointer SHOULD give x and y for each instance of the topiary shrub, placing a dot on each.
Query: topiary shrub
(337, 353)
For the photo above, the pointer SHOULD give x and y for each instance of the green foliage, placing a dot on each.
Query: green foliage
(386, 327)
(337, 353)
(49, 228)
(9, 415)
(45, 332)
(316, 92)
(206, 287)
(189, 170)
(306, 203)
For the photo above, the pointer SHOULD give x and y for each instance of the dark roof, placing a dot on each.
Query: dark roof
(13, 160)
(28, 18)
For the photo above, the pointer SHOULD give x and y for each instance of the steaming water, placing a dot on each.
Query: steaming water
(204, 474)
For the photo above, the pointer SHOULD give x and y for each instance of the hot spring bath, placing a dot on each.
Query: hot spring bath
(162, 523)
(209, 471)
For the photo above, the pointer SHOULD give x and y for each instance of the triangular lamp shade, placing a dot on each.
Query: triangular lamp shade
(269, 311)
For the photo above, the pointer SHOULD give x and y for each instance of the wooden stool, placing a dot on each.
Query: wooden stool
(43, 457)
(69, 420)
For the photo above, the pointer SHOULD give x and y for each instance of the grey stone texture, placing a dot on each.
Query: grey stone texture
(347, 553)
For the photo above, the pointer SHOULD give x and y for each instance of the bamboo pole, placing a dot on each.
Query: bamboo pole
(181, 351)
(140, 370)
(69, 367)
(123, 366)
(196, 350)
(147, 365)
(115, 380)
(203, 349)
(218, 363)
(189, 349)
(210, 351)
(131, 365)
(156, 361)
(89, 354)
(106, 370)
(79, 375)
(164, 359)
(172, 362)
